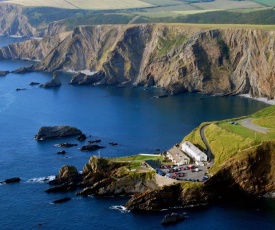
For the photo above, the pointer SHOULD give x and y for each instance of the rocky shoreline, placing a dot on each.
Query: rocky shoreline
(102, 177)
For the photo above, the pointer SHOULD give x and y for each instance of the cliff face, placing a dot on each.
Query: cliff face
(35, 49)
(177, 57)
(251, 172)
(14, 22)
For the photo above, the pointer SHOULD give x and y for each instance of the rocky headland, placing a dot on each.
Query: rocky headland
(243, 168)
(235, 180)
(180, 58)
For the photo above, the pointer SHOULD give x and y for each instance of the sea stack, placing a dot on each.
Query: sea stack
(47, 132)
(55, 82)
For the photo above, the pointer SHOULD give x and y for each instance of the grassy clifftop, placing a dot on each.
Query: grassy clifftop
(230, 139)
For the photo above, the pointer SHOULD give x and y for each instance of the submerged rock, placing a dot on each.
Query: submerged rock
(55, 82)
(173, 218)
(11, 180)
(34, 83)
(66, 145)
(18, 89)
(3, 73)
(61, 200)
(91, 147)
(94, 141)
(61, 152)
(81, 137)
(62, 188)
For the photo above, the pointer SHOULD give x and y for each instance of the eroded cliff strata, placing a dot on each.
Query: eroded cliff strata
(13, 22)
(177, 57)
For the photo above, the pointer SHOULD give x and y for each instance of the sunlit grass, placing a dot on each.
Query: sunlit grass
(225, 144)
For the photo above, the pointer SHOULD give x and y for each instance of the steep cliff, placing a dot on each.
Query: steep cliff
(177, 57)
(14, 22)
(34, 49)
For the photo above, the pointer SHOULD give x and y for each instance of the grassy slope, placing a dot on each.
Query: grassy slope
(227, 140)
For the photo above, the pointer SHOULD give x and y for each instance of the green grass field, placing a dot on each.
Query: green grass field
(265, 2)
(137, 158)
(227, 140)
(84, 4)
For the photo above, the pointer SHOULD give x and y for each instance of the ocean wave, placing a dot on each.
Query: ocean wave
(120, 208)
(41, 179)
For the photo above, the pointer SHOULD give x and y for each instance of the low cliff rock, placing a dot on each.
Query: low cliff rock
(47, 132)
(83, 79)
(101, 177)
(55, 82)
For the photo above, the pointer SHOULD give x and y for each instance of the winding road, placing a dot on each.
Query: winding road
(208, 149)
(247, 123)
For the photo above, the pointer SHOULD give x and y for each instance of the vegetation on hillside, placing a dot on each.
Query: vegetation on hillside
(228, 138)
(264, 17)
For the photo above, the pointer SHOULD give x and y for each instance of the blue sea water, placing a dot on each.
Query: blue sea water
(130, 117)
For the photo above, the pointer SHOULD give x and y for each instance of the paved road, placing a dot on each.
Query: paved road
(247, 123)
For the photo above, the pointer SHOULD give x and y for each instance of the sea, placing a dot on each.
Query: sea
(131, 117)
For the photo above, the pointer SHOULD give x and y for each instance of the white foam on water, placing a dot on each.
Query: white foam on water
(120, 208)
(41, 179)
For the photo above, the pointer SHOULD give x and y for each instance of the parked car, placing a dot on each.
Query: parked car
(191, 166)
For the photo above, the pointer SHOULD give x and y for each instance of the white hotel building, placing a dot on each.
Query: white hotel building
(192, 151)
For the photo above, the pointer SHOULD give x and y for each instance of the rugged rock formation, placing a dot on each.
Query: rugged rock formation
(33, 49)
(55, 82)
(47, 132)
(102, 177)
(177, 57)
(14, 22)
(23, 70)
(83, 79)
(67, 171)
(251, 172)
